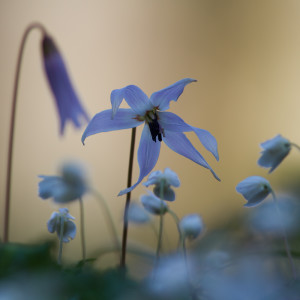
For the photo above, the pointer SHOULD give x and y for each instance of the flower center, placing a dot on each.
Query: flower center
(155, 129)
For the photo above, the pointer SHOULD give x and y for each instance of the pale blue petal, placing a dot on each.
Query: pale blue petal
(179, 143)
(69, 230)
(275, 150)
(162, 98)
(172, 122)
(52, 222)
(49, 186)
(148, 153)
(254, 189)
(135, 98)
(102, 122)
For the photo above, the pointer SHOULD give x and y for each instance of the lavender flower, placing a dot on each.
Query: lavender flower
(275, 150)
(254, 189)
(55, 221)
(67, 102)
(158, 126)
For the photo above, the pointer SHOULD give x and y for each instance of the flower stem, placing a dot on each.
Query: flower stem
(109, 219)
(286, 244)
(12, 126)
(82, 230)
(296, 146)
(181, 237)
(128, 196)
(61, 234)
(161, 221)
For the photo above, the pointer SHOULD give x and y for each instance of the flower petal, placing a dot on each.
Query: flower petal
(135, 98)
(179, 143)
(67, 101)
(148, 153)
(172, 122)
(52, 222)
(49, 185)
(162, 98)
(69, 230)
(102, 122)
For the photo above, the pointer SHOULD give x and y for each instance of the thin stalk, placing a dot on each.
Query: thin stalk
(128, 197)
(161, 221)
(12, 127)
(296, 146)
(109, 219)
(286, 243)
(82, 230)
(181, 237)
(61, 234)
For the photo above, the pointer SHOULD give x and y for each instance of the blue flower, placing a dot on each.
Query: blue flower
(191, 226)
(69, 186)
(67, 102)
(153, 204)
(275, 150)
(165, 180)
(55, 221)
(158, 126)
(254, 189)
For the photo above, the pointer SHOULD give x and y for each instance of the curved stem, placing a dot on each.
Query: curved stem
(181, 237)
(296, 146)
(128, 196)
(161, 221)
(286, 244)
(82, 230)
(61, 234)
(12, 126)
(109, 218)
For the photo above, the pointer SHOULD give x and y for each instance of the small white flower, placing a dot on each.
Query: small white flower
(164, 179)
(55, 221)
(137, 214)
(191, 226)
(254, 189)
(153, 204)
(275, 150)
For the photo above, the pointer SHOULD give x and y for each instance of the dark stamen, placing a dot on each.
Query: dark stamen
(155, 129)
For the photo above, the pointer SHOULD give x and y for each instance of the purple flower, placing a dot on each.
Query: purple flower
(159, 125)
(67, 102)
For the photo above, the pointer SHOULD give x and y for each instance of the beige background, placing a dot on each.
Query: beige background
(244, 54)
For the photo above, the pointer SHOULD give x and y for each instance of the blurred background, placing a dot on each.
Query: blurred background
(244, 54)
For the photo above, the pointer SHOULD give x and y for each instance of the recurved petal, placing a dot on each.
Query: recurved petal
(148, 153)
(135, 98)
(179, 143)
(207, 140)
(172, 122)
(162, 98)
(102, 122)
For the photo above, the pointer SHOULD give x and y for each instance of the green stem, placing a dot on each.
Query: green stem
(161, 221)
(286, 244)
(128, 196)
(176, 219)
(109, 219)
(61, 234)
(83, 247)
(12, 127)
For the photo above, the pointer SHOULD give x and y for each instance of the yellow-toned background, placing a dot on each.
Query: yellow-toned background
(244, 54)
